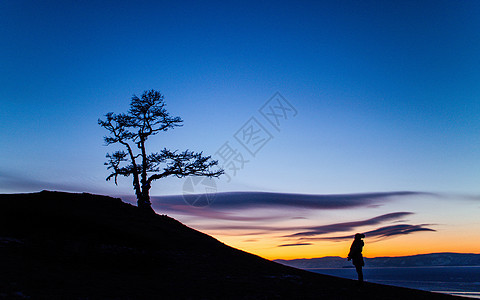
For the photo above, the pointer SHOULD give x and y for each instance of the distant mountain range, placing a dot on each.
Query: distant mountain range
(421, 260)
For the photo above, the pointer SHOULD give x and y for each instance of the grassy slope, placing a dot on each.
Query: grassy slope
(82, 246)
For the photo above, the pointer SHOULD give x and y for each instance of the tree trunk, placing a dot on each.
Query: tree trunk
(145, 205)
(144, 200)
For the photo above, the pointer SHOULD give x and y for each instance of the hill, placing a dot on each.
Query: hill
(421, 260)
(56, 245)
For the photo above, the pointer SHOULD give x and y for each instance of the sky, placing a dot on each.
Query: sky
(350, 97)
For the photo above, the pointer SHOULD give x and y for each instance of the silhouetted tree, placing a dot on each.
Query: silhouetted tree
(147, 117)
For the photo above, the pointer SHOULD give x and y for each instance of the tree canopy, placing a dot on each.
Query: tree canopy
(147, 117)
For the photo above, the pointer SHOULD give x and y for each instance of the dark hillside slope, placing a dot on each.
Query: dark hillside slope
(57, 245)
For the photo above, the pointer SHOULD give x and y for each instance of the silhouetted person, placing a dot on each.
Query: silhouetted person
(356, 256)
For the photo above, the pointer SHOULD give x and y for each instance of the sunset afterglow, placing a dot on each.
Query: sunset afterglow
(287, 226)
(329, 117)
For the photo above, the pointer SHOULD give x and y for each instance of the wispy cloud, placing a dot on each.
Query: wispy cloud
(382, 232)
(295, 244)
(349, 226)
(262, 213)
(209, 213)
(15, 183)
(237, 201)
(317, 233)
(400, 229)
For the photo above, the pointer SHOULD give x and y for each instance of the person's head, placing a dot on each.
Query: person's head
(359, 236)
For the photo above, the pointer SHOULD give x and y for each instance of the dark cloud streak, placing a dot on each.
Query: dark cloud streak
(249, 200)
(349, 226)
(296, 244)
(382, 232)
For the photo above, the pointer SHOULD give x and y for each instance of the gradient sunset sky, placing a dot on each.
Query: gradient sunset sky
(369, 114)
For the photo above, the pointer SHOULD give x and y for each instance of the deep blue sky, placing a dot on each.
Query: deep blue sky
(387, 94)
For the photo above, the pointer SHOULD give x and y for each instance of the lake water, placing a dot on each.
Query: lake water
(462, 281)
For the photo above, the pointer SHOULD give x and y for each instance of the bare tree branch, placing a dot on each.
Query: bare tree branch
(147, 116)
(183, 164)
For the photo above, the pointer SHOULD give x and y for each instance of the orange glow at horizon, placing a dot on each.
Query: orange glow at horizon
(432, 225)
(422, 243)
